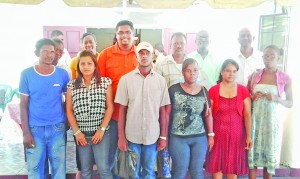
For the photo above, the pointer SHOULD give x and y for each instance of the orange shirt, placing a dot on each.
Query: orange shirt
(112, 63)
(73, 66)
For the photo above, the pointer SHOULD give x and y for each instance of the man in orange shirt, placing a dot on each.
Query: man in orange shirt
(114, 62)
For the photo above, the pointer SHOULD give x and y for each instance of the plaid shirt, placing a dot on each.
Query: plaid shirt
(169, 70)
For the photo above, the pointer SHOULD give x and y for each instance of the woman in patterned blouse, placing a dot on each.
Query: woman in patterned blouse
(191, 124)
(89, 104)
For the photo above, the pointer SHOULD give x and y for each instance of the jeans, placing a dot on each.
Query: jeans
(48, 140)
(187, 154)
(113, 131)
(99, 153)
(146, 160)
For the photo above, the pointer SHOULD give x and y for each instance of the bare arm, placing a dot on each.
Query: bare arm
(28, 140)
(288, 102)
(163, 122)
(107, 117)
(209, 126)
(122, 143)
(247, 120)
(80, 138)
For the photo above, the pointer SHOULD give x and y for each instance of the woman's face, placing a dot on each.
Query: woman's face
(89, 44)
(270, 58)
(86, 66)
(191, 73)
(229, 73)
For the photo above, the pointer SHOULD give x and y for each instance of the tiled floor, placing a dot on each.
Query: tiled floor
(12, 157)
(12, 163)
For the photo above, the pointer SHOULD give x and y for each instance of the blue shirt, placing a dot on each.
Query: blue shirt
(45, 104)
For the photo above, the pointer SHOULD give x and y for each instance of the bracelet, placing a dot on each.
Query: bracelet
(163, 138)
(103, 129)
(77, 132)
(211, 134)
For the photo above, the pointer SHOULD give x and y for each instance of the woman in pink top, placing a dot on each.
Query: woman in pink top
(231, 107)
(267, 88)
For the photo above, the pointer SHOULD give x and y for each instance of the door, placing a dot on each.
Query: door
(72, 36)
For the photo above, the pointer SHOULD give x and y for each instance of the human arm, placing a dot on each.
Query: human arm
(28, 140)
(209, 128)
(288, 102)
(122, 142)
(107, 117)
(247, 121)
(73, 66)
(79, 136)
(163, 123)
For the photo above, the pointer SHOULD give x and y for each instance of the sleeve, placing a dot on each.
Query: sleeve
(23, 85)
(102, 63)
(158, 68)
(66, 80)
(73, 66)
(70, 85)
(245, 92)
(165, 94)
(122, 92)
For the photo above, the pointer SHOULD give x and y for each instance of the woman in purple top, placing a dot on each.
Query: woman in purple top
(267, 88)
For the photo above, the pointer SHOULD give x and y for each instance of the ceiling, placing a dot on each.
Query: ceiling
(160, 4)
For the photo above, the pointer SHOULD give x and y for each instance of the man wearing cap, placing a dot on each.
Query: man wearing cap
(143, 95)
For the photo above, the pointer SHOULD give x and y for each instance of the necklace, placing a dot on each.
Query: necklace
(189, 90)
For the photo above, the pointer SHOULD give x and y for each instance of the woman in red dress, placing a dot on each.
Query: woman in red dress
(231, 106)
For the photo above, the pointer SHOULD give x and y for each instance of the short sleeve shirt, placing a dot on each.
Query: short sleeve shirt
(89, 104)
(187, 112)
(143, 97)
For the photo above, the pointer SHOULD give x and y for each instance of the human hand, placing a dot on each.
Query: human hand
(162, 144)
(97, 138)
(211, 142)
(259, 94)
(80, 139)
(123, 144)
(28, 140)
(248, 143)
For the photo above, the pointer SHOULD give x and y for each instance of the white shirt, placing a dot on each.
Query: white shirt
(248, 65)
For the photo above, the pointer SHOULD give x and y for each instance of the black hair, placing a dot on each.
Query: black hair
(56, 33)
(44, 41)
(125, 22)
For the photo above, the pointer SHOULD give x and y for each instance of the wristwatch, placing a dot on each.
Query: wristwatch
(211, 134)
(103, 129)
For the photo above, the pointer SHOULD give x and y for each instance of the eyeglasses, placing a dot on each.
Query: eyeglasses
(124, 33)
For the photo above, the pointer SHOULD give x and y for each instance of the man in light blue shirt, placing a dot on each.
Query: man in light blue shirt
(209, 67)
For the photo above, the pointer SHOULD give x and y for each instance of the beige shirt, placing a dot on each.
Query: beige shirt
(143, 97)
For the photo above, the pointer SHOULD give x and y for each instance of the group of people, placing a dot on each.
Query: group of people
(202, 111)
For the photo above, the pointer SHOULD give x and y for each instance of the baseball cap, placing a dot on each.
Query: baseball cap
(144, 45)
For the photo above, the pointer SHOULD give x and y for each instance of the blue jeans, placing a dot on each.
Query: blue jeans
(146, 160)
(48, 140)
(113, 145)
(95, 152)
(187, 154)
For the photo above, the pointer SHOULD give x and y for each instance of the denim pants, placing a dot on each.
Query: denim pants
(187, 154)
(113, 131)
(95, 152)
(48, 140)
(146, 160)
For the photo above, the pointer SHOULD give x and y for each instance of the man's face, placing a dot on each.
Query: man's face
(46, 55)
(124, 36)
(59, 51)
(245, 38)
(178, 45)
(144, 58)
(202, 40)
